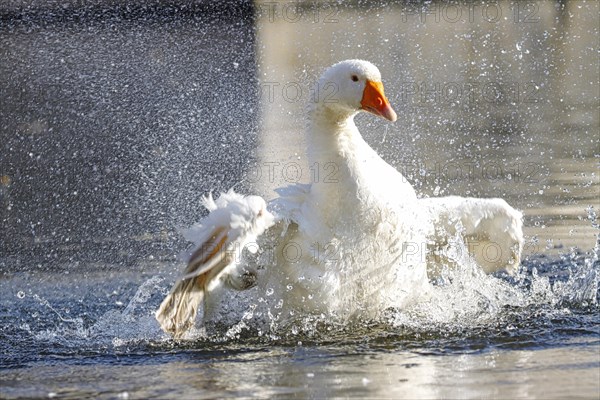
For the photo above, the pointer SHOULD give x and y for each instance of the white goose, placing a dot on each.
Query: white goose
(350, 246)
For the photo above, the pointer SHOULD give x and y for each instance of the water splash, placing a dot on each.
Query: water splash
(135, 323)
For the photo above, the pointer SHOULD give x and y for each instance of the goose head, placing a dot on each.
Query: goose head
(352, 86)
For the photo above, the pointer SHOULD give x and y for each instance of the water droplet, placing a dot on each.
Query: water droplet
(269, 291)
(21, 294)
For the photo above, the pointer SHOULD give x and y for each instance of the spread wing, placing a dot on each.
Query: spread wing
(492, 229)
(232, 226)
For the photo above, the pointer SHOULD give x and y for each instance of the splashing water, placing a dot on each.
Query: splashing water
(461, 300)
(112, 136)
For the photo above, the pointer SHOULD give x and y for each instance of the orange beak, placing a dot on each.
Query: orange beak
(374, 101)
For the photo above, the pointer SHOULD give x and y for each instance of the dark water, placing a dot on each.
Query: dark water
(117, 117)
(111, 115)
(92, 333)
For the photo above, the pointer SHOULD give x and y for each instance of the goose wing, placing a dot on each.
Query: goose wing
(233, 226)
(491, 228)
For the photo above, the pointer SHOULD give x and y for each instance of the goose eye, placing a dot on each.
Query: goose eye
(354, 78)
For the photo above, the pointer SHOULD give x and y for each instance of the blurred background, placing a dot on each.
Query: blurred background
(116, 117)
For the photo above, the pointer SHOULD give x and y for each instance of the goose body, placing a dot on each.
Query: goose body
(350, 245)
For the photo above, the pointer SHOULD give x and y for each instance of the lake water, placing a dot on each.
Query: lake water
(116, 120)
